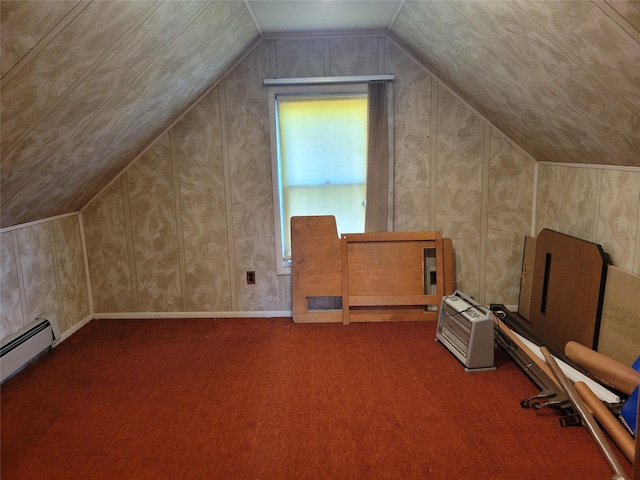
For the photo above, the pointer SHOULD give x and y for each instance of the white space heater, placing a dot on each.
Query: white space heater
(27, 344)
(467, 330)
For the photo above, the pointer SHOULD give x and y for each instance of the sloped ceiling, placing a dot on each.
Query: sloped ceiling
(87, 85)
(561, 78)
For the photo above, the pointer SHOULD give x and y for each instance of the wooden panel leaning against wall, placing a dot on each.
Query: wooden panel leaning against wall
(618, 328)
(601, 205)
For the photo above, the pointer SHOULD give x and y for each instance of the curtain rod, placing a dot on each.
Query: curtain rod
(327, 80)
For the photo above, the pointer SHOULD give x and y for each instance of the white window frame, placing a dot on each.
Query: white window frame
(283, 267)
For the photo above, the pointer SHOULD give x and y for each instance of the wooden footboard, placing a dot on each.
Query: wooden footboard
(367, 277)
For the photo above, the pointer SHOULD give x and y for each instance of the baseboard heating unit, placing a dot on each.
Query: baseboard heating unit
(467, 330)
(27, 344)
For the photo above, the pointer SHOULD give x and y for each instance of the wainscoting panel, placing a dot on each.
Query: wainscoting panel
(201, 206)
(599, 204)
(202, 192)
(43, 271)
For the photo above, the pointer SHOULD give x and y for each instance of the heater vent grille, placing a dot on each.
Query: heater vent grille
(27, 344)
(467, 330)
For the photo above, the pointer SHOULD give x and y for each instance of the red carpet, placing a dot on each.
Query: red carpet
(269, 399)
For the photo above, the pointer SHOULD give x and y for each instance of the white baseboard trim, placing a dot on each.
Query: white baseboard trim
(204, 315)
(147, 315)
(67, 333)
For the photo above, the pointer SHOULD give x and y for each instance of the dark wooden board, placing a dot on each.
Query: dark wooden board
(567, 289)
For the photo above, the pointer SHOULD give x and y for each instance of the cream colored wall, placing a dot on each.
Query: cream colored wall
(598, 204)
(457, 173)
(179, 229)
(43, 270)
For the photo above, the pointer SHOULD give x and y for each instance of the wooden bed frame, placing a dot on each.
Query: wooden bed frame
(366, 277)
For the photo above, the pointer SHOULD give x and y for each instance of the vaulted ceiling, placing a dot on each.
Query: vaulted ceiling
(86, 85)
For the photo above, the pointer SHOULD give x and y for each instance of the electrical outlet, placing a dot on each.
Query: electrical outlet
(251, 278)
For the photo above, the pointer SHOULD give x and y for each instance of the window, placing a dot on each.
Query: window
(319, 157)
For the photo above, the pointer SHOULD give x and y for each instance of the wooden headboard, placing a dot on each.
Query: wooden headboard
(567, 289)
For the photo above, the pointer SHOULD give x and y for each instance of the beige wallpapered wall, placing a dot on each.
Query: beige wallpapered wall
(596, 204)
(175, 252)
(43, 270)
(179, 228)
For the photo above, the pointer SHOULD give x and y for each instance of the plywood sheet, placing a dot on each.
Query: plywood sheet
(526, 279)
(400, 264)
(620, 322)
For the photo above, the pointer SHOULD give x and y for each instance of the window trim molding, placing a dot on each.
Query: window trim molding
(283, 267)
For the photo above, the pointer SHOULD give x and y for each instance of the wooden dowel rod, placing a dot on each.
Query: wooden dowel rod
(587, 418)
(607, 370)
(605, 418)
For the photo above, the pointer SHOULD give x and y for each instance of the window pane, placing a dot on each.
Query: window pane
(323, 140)
(322, 149)
(342, 201)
